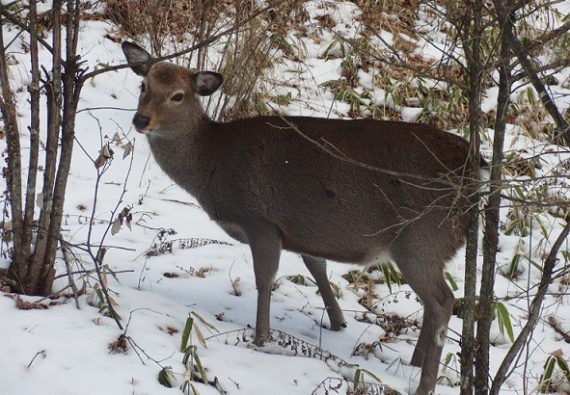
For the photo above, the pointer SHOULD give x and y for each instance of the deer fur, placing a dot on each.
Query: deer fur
(346, 190)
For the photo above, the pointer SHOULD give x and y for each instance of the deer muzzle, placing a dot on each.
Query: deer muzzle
(140, 122)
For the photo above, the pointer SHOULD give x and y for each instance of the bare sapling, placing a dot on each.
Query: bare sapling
(348, 190)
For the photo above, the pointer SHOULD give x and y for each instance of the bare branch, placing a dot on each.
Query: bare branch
(6, 14)
(549, 36)
(545, 97)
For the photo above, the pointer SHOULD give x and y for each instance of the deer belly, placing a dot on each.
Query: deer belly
(233, 230)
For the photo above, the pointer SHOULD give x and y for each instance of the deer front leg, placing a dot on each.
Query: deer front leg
(265, 244)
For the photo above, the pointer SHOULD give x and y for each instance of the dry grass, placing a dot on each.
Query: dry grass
(397, 17)
(245, 54)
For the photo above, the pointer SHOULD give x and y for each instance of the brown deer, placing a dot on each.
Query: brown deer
(346, 190)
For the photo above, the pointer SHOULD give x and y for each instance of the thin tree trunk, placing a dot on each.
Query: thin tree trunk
(492, 212)
(54, 100)
(14, 171)
(34, 90)
(71, 88)
(471, 37)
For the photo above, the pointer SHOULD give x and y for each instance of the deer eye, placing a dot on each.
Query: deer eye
(177, 97)
(143, 87)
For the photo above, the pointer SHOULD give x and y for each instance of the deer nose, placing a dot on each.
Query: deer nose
(140, 122)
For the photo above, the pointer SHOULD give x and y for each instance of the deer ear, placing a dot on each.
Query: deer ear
(206, 82)
(136, 57)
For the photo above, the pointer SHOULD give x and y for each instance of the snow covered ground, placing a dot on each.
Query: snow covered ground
(63, 350)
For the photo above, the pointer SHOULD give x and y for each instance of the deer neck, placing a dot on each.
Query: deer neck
(180, 154)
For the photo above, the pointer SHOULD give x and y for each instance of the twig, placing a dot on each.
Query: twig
(89, 272)
(101, 250)
(41, 352)
(545, 97)
(66, 258)
(89, 109)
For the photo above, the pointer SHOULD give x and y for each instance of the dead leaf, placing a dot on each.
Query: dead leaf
(21, 304)
(169, 329)
(117, 138)
(127, 149)
(107, 152)
(116, 226)
(119, 346)
(100, 161)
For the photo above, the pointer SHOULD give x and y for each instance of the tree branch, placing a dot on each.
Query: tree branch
(22, 26)
(531, 73)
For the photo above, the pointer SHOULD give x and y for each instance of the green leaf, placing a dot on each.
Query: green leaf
(356, 379)
(164, 377)
(505, 321)
(200, 368)
(387, 277)
(186, 333)
(547, 375)
(564, 367)
(451, 281)
(448, 358)
(535, 264)
(514, 267)
(330, 47)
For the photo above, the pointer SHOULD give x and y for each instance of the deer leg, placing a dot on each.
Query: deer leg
(421, 345)
(438, 306)
(428, 283)
(265, 244)
(318, 269)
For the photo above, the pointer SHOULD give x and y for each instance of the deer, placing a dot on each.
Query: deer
(354, 191)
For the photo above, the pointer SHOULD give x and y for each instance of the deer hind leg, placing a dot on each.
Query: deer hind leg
(427, 281)
(265, 244)
(422, 344)
(318, 269)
